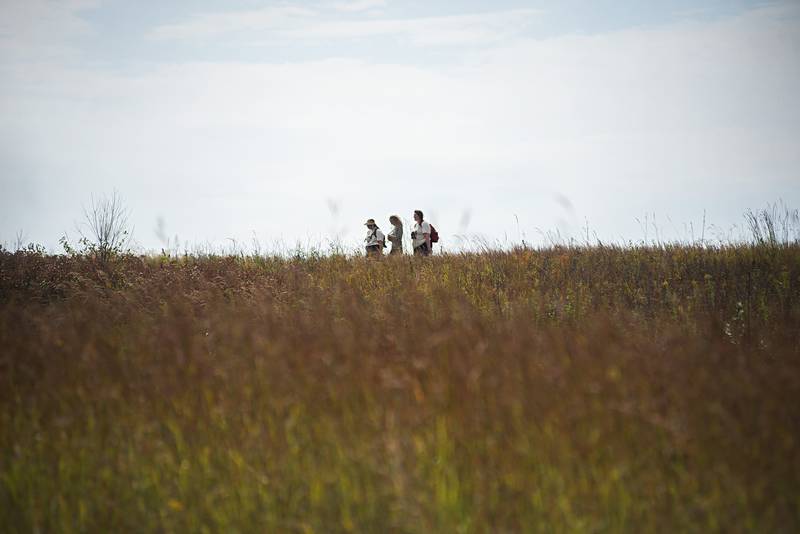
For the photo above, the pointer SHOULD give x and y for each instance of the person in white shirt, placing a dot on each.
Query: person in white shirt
(421, 235)
(375, 240)
(396, 235)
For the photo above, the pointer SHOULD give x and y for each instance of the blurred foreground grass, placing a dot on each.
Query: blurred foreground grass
(563, 390)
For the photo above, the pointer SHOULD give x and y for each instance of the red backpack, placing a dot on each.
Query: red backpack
(434, 235)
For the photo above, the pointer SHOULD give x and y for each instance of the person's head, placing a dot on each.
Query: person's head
(370, 224)
(418, 216)
(395, 220)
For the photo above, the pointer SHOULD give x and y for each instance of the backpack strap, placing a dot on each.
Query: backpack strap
(375, 235)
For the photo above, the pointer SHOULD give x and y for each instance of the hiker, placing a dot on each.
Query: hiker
(421, 235)
(375, 240)
(396, 235)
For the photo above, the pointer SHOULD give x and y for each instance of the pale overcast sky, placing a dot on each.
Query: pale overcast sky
(296, 121)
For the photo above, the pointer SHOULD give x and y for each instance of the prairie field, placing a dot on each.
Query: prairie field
(565, 389)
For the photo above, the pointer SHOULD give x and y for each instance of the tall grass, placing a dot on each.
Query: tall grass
(571, 389)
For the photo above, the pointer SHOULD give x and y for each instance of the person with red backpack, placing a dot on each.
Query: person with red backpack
(423, 235)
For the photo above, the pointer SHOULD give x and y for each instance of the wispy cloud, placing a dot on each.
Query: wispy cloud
(358, 5)
(213, 24)
(41, 30)
(301, 25)
(453, 29)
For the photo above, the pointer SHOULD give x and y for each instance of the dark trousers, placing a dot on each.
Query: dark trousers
(422, 250)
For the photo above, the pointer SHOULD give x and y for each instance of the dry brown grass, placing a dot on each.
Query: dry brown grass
(564, 390)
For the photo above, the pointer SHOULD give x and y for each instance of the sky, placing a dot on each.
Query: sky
(291, 123)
